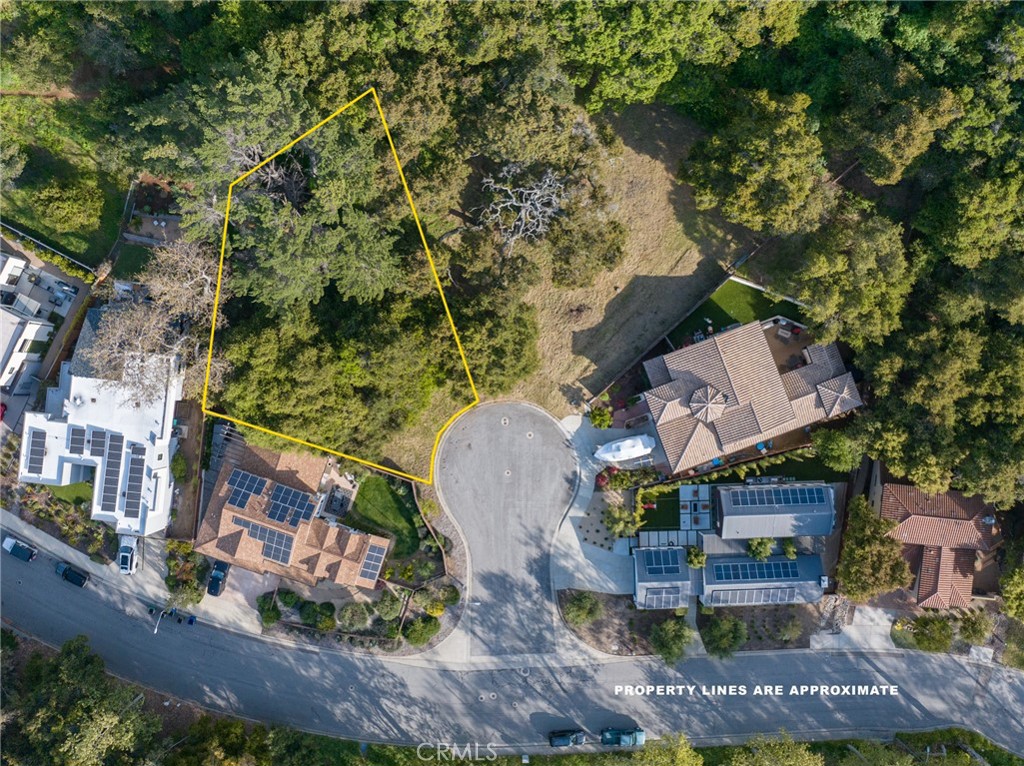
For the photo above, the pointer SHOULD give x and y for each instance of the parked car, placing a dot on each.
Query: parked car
(623, 737)
(3, 410)
(127, 554)
(19, 549)
(58, 302)
(67, 288)
(567, 738)
(72, 574)
(218, 577)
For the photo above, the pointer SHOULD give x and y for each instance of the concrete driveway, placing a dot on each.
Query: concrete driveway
(506, 474)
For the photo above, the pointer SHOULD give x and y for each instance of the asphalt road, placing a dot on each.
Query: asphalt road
(506, 473)
(373, 699)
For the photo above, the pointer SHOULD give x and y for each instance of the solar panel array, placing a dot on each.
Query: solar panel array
(663, 598)
(243, 486)
(36, 451)
(373, 562)
(112, 473)
(753, 596)
(77, 445)
(778, 496)
(291, 505)
(661, 561)
(756, 570)
(98, 443)
(277, 546)
(136, 469)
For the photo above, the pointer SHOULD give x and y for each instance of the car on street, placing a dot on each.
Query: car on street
(218, 577)
(623, 737)
(567, 738)
(127, 554)
(72, 574)
(3, 410)
(19, 549)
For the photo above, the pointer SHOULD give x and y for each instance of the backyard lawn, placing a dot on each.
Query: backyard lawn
(379, 507)
(731, 303)
(665, 514)
(130, 260)
(73, 493)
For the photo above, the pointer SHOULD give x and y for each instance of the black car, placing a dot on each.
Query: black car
(18, 549)
(218, 577)
(72, 575)
(567, 738)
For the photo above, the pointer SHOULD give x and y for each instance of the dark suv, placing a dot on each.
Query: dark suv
(218, 577)
(567, 738)
(72, 575)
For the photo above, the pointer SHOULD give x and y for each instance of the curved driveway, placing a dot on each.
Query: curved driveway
(506, 472)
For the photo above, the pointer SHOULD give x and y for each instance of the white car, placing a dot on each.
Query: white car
(127, 554)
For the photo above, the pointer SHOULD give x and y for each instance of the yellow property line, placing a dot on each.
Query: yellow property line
(433, 270)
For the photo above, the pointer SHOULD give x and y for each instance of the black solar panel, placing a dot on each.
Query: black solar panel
(291, 505)
(243, 486)
(112, 473)
(778, 496)
(661, 561)
(136, 470)
(757, 570)
(77, 445)
(373, 562)
(98, 443)
(36, 451)
(277, 546)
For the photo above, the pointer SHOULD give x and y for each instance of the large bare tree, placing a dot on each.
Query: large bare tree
(139, 342)
(522, 208)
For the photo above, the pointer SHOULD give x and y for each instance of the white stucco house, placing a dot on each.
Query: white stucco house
(97, 429)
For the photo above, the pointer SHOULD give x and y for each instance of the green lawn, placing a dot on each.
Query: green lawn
(381, 508)
(665, 514)
(73, 493)
(732, 302)
(802, 469)
(130, 260)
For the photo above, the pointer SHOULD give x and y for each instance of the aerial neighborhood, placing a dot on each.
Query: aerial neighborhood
(501, 382)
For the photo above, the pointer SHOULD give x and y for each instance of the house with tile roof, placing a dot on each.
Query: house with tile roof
(729, 393)
(946, 538)
(270, 513)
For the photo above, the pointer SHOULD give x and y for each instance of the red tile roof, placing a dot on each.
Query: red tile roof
(941, 534)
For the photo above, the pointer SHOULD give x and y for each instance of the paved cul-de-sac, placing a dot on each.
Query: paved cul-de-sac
(506, 473)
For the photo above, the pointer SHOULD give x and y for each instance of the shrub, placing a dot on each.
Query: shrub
(760, 548)
(421, 630)
(975, 628)
(288, 598)
(791, 631)
(582, 609)
(789, 548)
(601, 417)
(423, 597)
(724, 635)
(309, 613)
(601, 481)
(434, 608)
(425, 569)
(179, 468)
(871, 561)
(670, 639)
(268, 609)
(449, 595)
(623, 522)
(933, 634)
(695, 557)
(352, 617)
(325, 617)
(187, 571)
(389, 606)
(631, 478)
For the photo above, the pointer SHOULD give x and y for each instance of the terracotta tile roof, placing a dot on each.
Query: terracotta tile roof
(735, 369)
(948, 519)
(320, 550)
(945, 578)
(941, 534)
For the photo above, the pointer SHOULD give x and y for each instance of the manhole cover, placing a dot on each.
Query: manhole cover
(529, 434)
(524, 671)
(515, 704)
(494, 696)
(504, 421)
(508, 473)
(481, 698)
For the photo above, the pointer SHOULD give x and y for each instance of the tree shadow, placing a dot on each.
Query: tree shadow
(589, 342)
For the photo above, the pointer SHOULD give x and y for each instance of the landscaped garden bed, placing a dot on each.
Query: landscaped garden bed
(726, 630)
(617, 626)
(66, 513)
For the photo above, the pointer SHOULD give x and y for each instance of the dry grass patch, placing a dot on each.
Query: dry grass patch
(673, 257)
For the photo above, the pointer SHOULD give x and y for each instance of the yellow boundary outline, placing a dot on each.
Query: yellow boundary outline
(433, 270)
